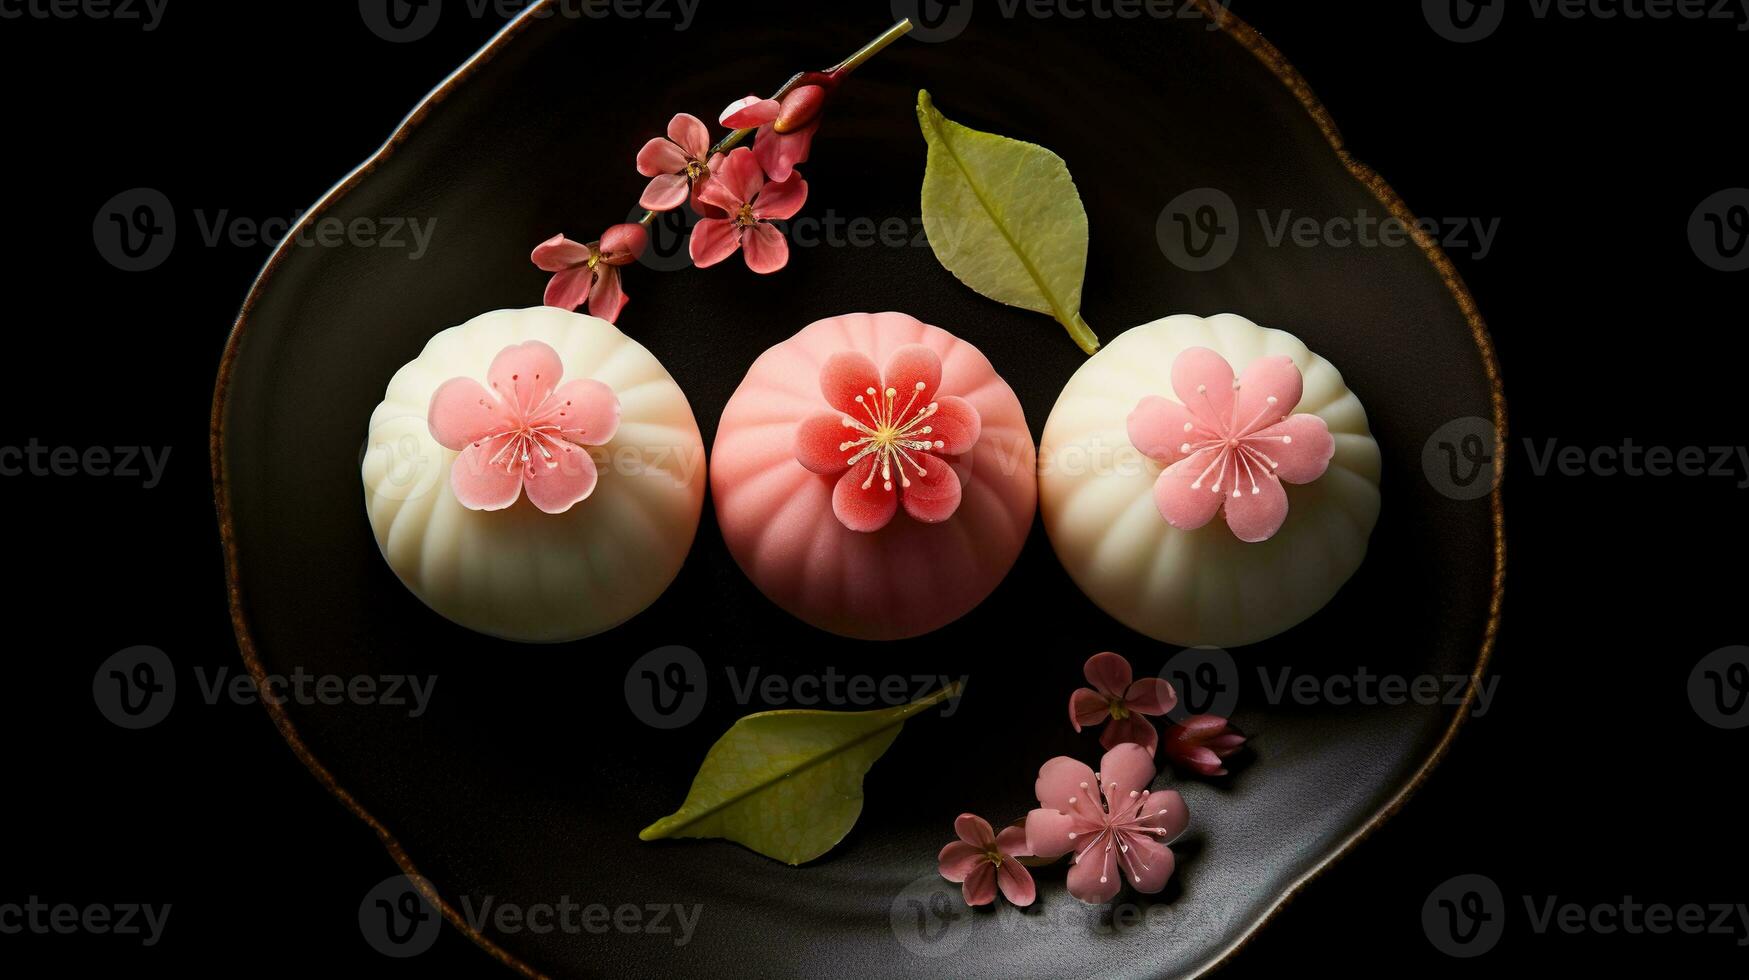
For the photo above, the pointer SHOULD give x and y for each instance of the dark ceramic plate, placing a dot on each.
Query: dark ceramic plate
(529, 776)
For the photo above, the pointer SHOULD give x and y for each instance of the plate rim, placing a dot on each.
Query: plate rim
(1228, 24)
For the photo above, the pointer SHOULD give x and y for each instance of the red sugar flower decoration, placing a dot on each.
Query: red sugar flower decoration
(751, 202)
(526, 434)
(981, 860)
(678, 165)
(882, 442)
(786, 128)
(1114, 696)
(1228, 444)
(590, 272)
(1202, 744)
(1127, 833)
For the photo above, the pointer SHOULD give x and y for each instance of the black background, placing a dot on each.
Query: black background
(1590, 139)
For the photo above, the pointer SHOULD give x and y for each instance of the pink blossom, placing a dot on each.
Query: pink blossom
(751, 202)
(883, 438)
(981, 860)
(677, 166)
(1201, 744)
(590, 272)
(526, 433)
(1114, 696)
(1127, 832)
(785, 129)
(1228, 444)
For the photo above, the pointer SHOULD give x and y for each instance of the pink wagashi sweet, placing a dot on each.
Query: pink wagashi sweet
(883, 440)
(1201, 744)
(981, 860)
(751, 202)
(1115, 696)
(786, 128)
(526, 434)
(590, 272)
(1228, 444)
(778, 517)
(1127, 833)
(678, 165)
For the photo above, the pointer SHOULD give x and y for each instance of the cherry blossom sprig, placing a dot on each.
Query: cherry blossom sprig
(1199, 745)
(736, 193)
(1111, 822)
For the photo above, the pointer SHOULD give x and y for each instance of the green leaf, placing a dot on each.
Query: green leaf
(1004, 216)
(788, 784)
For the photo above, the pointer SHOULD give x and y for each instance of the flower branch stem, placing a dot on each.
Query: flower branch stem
(843, 68)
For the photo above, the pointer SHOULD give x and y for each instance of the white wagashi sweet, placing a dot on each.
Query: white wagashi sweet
(1224, 580)
(576, 519)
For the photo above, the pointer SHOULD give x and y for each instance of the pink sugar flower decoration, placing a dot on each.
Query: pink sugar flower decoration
(526, 434)
(751, 202)
(1202, 744)
(1116, 827)
(1124, 701)
(886, 436)
(784, 131)
(982, 860)
(590, 272)
(677, 166)
(1228, 445)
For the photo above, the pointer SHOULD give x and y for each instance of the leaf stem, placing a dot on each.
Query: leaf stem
(845, 67)
(872, 48)
(1081, 333)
